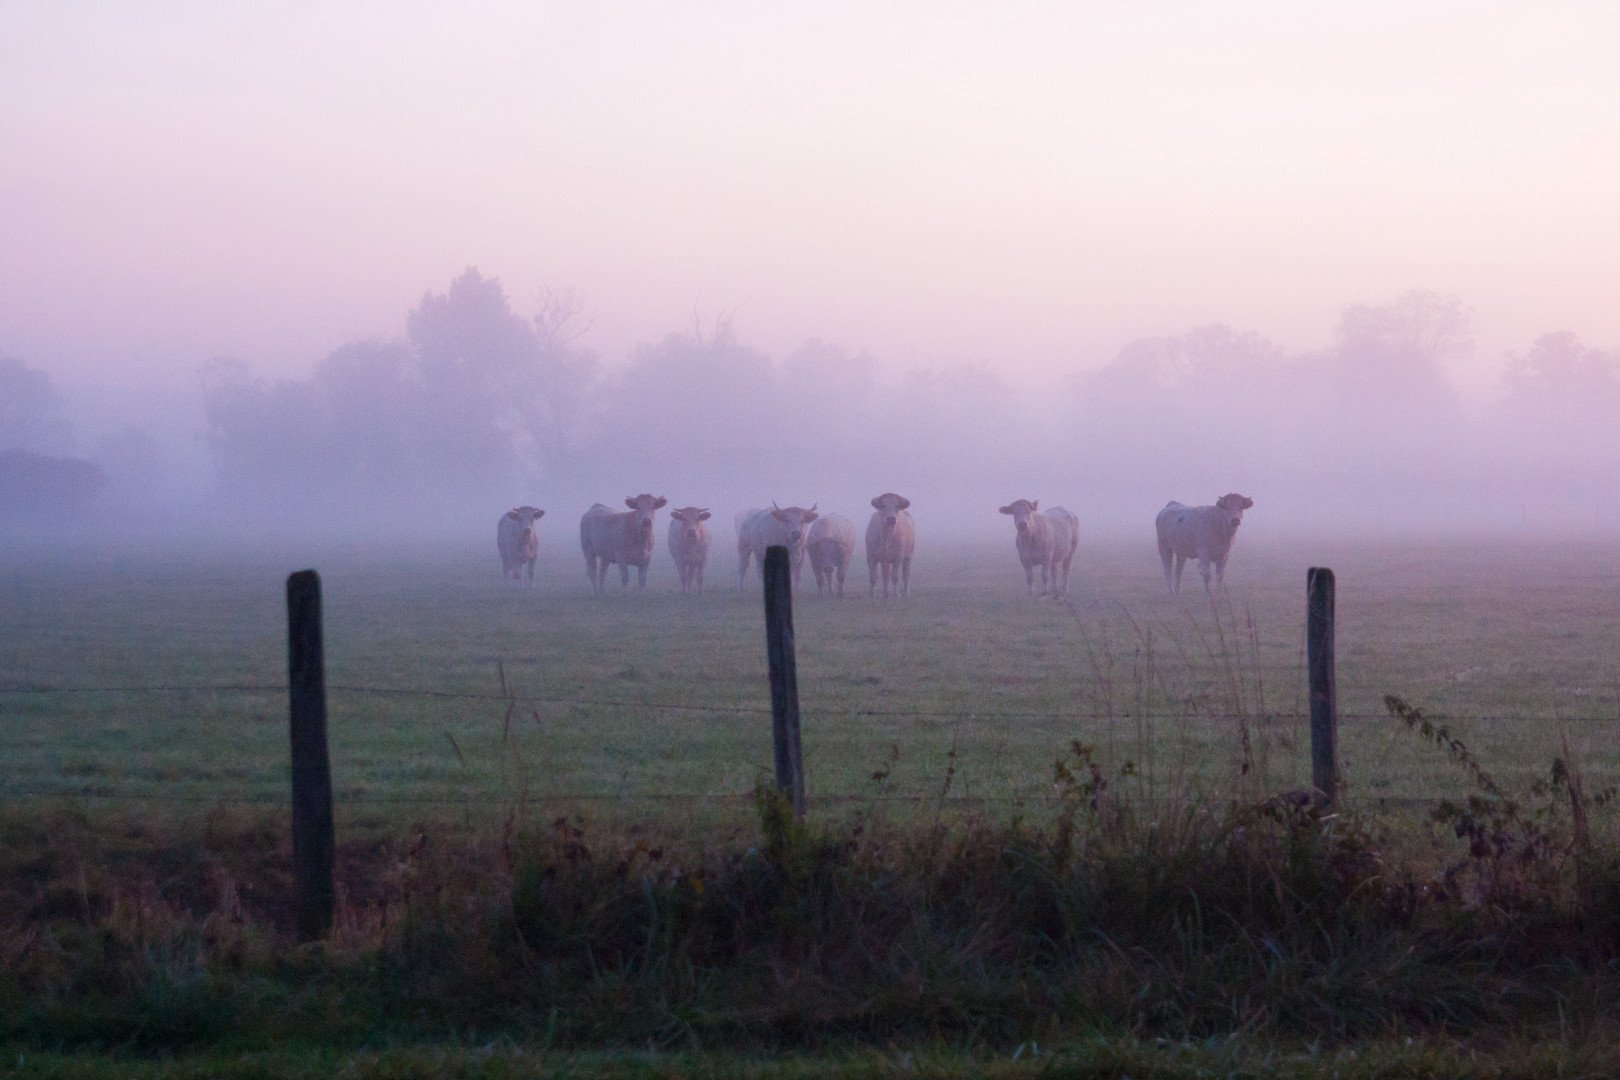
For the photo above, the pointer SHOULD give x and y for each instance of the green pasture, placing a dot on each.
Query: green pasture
(656, 704)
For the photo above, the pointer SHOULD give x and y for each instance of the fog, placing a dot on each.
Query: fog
(357, 271)
(477, 406)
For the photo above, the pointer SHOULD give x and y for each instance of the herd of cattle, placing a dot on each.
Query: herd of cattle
(1046, 539)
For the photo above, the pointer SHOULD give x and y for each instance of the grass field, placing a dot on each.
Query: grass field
(1161, 901)
(655, 704)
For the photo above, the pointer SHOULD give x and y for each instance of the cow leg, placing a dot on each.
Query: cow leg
(1167, 557)
(742, 568)
(1181, 564)
(872, 574)
(1203, 571)
(1029, 577)
(624, 577)
(697, 572)
(641, 577)
(843, 570)
(590, 571)
(905, 577)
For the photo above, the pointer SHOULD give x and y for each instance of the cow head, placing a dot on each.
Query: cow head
(689, 517)
(1233, 506)
(1020, 510)
(644, 506)
(525, 516)
(888, 505)
(796, 520)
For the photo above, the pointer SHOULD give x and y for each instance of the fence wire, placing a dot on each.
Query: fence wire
(1190, 713)
(512, 698)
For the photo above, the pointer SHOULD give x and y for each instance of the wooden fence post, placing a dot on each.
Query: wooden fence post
(778, 575)
(312, 833)
(1323, 687)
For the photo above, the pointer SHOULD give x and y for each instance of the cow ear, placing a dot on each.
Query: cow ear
(704, 515)
(676, 514)
(877, 503)
(1006, 509)
(777, 514)
(905, 504)
(631, 503)
(810, 515)
(1036, 505)
(661, 501)
(1247, 502)
(512, 514)
(538, 514)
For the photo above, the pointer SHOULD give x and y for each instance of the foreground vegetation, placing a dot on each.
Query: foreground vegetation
(1091, 922)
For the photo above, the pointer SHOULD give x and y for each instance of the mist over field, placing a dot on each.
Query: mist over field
(478, 405)
(284, 273)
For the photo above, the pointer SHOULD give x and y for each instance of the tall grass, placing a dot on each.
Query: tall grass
(1170, 916)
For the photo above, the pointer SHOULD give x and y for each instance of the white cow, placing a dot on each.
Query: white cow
(689, 545)
(518, 543)
(1046, 538)
(891, 537)
(776, 527)
(830, 545)
(1204, 533)
(625, 538)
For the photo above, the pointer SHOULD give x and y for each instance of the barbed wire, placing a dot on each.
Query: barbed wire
(836, 798)
(812, 710)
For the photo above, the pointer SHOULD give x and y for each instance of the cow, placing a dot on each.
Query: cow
(776, 527)
(830, 545)
(1046, 538)
(891, 537)
(625, 538)
(1204, 533)
(689, 545)
(518, 543)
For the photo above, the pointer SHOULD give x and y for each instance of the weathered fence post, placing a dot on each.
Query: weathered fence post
(1324, 690)
(778, 574)
(312, 834)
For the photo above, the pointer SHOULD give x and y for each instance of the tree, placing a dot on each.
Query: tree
(1395, 354)
(1559, 373)
(471, 407)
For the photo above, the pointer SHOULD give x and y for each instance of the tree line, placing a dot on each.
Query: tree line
(477, 404)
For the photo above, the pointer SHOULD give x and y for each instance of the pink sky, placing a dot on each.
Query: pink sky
(1026, 185)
